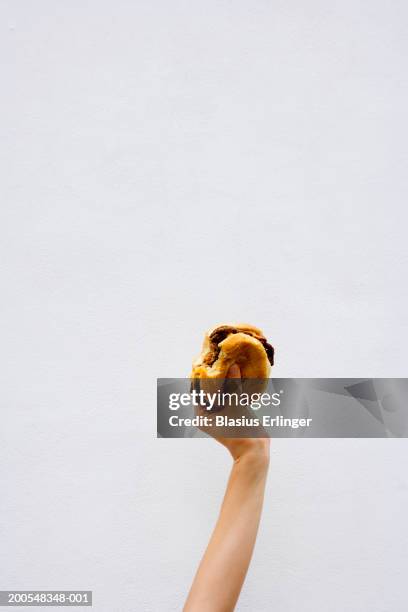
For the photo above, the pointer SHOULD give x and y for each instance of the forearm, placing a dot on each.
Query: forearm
(222, 570)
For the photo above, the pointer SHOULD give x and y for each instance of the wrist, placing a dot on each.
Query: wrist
(253, 452)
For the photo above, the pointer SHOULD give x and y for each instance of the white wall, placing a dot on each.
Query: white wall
(166, 166)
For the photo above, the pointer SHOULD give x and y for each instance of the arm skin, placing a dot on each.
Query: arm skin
(221, 573)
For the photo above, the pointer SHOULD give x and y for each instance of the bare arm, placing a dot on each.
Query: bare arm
(223, 568)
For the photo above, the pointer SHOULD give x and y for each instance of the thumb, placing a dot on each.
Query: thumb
(233, 386)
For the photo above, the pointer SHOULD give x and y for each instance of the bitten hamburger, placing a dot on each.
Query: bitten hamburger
(242, 344)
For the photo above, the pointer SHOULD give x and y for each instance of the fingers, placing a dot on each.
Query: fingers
(234, 371)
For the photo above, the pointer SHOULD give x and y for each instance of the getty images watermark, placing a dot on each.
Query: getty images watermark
(221, 400)
(217, 399)
(283, 407)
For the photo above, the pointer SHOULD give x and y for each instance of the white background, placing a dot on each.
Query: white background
(167, 166)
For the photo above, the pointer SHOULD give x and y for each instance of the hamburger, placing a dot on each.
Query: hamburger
(242, 344)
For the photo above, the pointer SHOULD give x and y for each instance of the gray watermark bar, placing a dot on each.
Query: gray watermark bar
(282, 408)
(45, 598)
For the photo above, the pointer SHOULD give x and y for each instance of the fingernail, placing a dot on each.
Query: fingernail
(234, 371)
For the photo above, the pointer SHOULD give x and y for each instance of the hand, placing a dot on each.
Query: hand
(254, 448)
